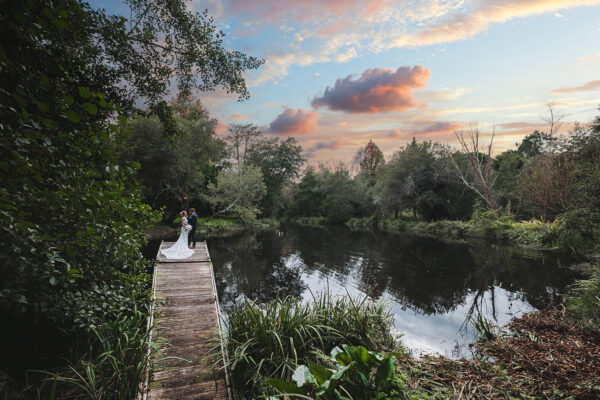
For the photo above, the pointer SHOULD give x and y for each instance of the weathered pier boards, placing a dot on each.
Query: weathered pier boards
(186, 323)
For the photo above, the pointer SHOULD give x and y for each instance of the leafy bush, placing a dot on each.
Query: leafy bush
(583, 303)
(353, 373)
(271, 340)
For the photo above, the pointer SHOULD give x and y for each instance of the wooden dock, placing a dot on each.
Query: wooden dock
(186, 324)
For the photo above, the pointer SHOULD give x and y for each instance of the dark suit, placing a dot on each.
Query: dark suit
(193, 221)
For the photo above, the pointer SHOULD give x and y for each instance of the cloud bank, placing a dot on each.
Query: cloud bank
(484, 14)
(294, 122)
(589, 86)
(437, 128)
(377, 89)
(333, 145)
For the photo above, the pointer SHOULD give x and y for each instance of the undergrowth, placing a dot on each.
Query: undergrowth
(271, 340)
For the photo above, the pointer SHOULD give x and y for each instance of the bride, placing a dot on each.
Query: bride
(180, 249)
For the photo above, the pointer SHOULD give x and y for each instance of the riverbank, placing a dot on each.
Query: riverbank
(548, 354)
(534, 234)
(214, 228)
(541, 355)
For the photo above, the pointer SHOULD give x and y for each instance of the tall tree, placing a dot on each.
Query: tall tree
(280, 162)
(370, 159)
(240, 139)
(237, 192)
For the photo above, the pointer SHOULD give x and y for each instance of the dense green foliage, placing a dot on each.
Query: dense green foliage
(272, 340)
(114, 364)
(175, 170)
(547, 191)
(71, 213)
(583, 303)
(238, 192)
(280, 162)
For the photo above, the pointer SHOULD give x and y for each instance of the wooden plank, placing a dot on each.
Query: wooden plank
(186, 324)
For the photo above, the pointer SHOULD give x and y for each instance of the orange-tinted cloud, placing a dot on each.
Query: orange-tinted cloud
(378, 89)
(239, 116)
(333, 145)
(586, 87)
(302, 10)
(519, 126)
(332, 29)
(437, 128)
(221, 128)
(484, 14)
(294, 122)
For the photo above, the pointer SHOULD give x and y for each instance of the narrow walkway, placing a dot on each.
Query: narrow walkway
(186, 323)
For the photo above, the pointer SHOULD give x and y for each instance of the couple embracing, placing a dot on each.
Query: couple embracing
(186, 243)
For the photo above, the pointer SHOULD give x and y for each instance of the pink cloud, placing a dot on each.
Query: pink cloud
(378, 89)
(333, 145)
(437, 128)
(247, 32)
(239, 116)
(484, 14)
(332, 29)
(519, 125)
(586, 87)
(394, 133)
(294, 122)
(302, 10)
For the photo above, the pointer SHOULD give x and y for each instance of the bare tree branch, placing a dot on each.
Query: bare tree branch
(480, 165)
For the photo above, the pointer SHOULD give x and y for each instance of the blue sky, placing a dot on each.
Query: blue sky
(407, 68)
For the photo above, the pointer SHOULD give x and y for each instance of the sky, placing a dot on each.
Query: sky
(342, 72)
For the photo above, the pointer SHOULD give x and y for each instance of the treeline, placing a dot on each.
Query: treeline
(547, 177)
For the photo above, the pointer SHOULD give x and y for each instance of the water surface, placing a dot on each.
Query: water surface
(432, 286)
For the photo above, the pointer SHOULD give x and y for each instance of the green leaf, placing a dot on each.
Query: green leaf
(73, 116)
(385, 372)
(43, 106)
(122, 119)
(69, 99)
(343, 358)
(320, 373)
(90, 108)
(284, 387)
(85, 92)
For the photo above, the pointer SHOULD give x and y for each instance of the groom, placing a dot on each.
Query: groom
(193, 221)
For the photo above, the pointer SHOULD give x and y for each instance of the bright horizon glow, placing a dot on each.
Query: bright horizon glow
(342, 72)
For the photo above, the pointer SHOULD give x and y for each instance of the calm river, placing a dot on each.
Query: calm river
(432, 286)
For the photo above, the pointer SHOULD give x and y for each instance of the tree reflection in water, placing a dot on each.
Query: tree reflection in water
(420, 276)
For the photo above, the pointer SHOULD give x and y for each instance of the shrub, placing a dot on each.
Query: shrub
(583, 303)
(352, 372)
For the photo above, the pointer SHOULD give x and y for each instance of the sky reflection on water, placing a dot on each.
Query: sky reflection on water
(431, 286)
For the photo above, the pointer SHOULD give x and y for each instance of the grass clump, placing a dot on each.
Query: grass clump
(583, 303)
(110, 366)
(270, 341)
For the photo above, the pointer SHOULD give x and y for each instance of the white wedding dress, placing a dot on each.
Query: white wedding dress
(180, 249)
